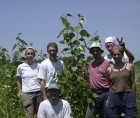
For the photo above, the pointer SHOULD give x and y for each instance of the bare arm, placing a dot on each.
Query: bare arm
(133, 78)
(43, 90)
(129, 54)
(19, 84)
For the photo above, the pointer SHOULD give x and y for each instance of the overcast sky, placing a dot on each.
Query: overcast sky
(38, 20)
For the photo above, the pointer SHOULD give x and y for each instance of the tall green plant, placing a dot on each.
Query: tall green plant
(74, 87)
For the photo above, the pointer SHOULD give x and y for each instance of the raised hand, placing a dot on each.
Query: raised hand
(121, 43)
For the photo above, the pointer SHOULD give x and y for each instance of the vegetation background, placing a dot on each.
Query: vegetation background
(73, 86)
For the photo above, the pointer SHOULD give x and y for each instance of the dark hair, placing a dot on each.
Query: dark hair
(53, 45)
(31, 48)
(117, 47)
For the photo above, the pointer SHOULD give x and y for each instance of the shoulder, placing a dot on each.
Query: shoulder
(21, 65)
(130, 65)
(45, 61)
(65, 102)
(108, 56)
(44, 103)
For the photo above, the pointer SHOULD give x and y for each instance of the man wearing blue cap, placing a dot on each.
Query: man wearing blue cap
(54, 107)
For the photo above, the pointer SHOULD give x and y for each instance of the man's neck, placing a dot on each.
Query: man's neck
(53, 59)
(54, 102)
(98, 60)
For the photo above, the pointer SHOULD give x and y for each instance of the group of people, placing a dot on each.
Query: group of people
(40, 96)
(111, 78)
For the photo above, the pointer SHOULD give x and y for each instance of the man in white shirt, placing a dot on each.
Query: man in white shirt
(110, 42)
(49, 68)
(54, 107)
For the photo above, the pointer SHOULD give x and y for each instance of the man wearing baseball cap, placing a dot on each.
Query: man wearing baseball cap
(98, 81)
(110, 42)
(54, 107)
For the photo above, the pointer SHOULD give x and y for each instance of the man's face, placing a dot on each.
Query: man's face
(109, 46)
(52, 52)
(53, 94)
(96, 52)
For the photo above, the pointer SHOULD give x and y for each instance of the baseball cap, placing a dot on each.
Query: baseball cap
(96, 44)
(53, 86)
(110, 39)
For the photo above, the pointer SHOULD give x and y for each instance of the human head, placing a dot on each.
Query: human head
(110, 42)
(117, 53)
(119, 48)
(52, 44)
(30, 54)
(30, 48)
(96, 49)
(52, 50)
(96, 45)
(53, 93)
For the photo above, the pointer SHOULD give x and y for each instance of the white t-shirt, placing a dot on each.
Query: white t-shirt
(28, 73)
(125, 59)
(48, 69)
(61, 110)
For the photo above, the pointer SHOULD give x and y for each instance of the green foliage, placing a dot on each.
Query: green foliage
(74, 87)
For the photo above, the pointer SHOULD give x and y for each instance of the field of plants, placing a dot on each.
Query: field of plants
(73, 86)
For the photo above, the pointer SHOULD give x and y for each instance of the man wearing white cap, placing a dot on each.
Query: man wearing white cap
(98, 81)
(110, 42)
(54, 107)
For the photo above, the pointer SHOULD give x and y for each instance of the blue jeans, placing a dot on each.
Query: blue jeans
(122, 102)
(99, 103)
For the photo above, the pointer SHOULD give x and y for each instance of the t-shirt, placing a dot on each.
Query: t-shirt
(61, 110)
(28, 74)
(125, 59)
(49, 70)
(98, 75)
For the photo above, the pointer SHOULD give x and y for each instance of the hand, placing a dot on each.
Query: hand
(20, 94)
(121, 43)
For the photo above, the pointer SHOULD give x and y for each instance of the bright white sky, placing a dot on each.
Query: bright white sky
(38, 20)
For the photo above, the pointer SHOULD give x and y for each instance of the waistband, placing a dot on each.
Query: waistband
(34, 92)
(100, 90)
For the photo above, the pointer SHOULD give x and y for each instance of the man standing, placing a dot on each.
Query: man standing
(49, 68)
(98, 81)
(110, 42)
(54, 107)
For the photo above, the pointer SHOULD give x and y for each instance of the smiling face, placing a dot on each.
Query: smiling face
(117, 55)
(52, 51)
(96, 52)
(53, 96)
(30, 54)
(109, 46)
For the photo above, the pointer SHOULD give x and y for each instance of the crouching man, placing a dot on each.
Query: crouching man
(54, 107)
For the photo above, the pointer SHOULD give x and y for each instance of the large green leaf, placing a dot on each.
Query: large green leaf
(76, 42)
(77, 28)
(62, 32)
(84, 33)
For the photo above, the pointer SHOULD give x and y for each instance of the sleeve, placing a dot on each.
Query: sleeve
(62, 65)
(68, 113)
(125, 58)
(42, 73)
(41, 112)
(18, 71)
